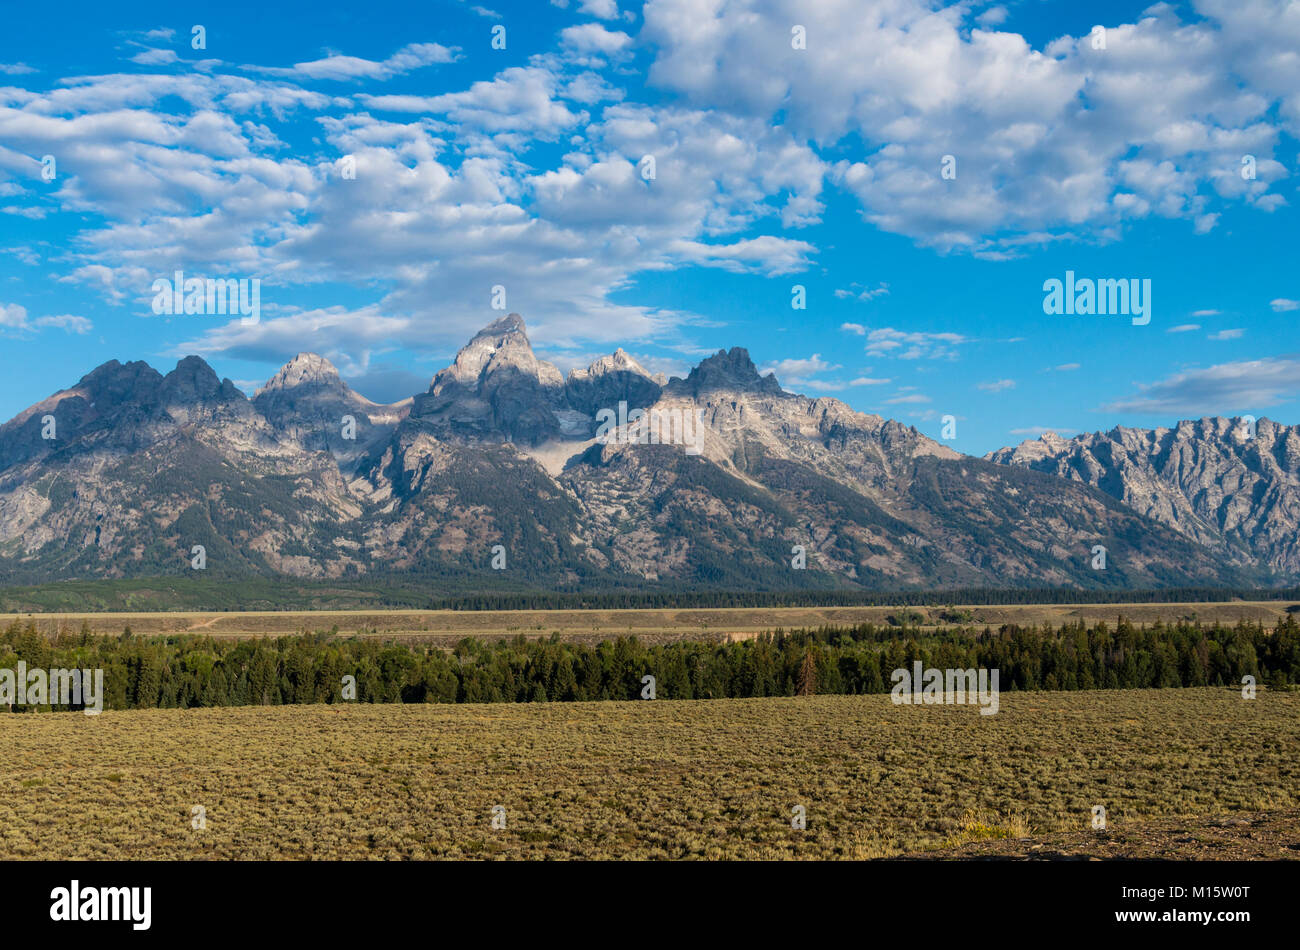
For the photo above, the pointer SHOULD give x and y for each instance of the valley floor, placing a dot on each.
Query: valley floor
(662, 779)
(445, 627)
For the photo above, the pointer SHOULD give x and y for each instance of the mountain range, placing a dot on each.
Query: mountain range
(511, 475)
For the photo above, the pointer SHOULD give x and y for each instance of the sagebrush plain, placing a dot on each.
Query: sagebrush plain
(635, 780)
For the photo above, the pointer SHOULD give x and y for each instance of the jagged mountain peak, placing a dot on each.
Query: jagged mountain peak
(308, 401)
(194, 381)
(611, 380)
(304, 369)
(511, 323)
(193, 369)
(1212, 479)
(620, 361)
(495, 390)
(502, 345)
(1207, 428)
(730, 369)
(113, 369)
(133, 381)
(1049, 444)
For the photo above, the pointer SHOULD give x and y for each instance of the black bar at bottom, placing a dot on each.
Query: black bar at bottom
(661, 902)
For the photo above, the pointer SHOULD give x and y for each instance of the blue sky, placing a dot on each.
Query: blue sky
(774, 166)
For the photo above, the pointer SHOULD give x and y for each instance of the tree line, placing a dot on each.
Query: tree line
(466, 591)
(193, 670)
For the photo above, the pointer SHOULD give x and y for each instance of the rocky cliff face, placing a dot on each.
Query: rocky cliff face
(140, 468)
(309, 402)
(1214, 481)
(720, 480)
(497, 390)
(609, 381)
(870, 501)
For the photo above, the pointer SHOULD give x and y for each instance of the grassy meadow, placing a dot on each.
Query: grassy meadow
(661, 779)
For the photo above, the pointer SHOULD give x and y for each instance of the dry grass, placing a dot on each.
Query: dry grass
(703, 779)
(651, 625)
(984, 825)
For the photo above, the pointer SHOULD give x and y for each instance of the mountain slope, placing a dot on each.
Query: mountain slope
(496, 390)
(143, 467)
(1236, 495)
(309, 402)
(873, 502)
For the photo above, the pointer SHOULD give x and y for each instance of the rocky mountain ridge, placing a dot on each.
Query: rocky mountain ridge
(1231, 485)
(507, 471)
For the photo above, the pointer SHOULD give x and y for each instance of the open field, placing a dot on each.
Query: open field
(665, 779)
(652, 625)
(1262, 836)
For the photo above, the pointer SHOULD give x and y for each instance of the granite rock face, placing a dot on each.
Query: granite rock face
(309, 401)
(611, 380)
(139, 469)
(497, 390)
(1212, 480)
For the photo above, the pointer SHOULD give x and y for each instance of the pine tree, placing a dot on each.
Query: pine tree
(808, 675)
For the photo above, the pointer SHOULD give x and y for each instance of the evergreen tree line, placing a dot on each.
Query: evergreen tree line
(192, 670)
(466, 591)
(679, 599)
